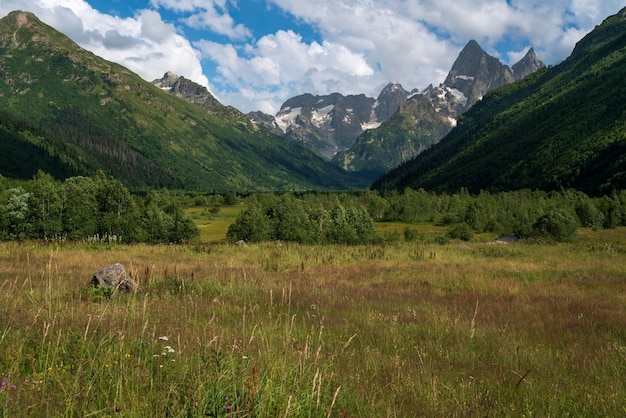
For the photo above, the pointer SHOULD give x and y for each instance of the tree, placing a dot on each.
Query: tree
(46, 206)
(162, 219)
(116, 208)
(252, 225)
(80, 208)
(588, 214)
(16, 213)
(289, 220)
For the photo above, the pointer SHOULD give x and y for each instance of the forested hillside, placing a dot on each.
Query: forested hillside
(71, 112)
(563, 127)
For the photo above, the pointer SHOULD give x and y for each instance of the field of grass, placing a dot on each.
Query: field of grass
(282, 330)
(213, 226)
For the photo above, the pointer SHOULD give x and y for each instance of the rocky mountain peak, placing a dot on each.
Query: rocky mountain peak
(189, 90)
(527, 65)
(327, 123)
(167, 81)
(389, 101)
(474, 73)
(20, 28)
(20, 17)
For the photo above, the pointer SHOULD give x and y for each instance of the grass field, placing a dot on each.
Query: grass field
(271, 330)
(213, 226)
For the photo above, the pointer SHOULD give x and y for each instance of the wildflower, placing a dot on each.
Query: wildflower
(313, 316)
(4, 383)
(117, 408)
(164, 338)
(229, 408)
(168, 349)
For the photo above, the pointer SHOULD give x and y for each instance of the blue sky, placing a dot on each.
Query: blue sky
(255, 54)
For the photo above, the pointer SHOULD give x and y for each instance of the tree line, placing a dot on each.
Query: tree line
(101, 208)
(349, 217)
(90, 208)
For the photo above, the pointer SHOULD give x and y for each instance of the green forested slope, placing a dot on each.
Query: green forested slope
(562, 127)
(70, 112)
(413, 128)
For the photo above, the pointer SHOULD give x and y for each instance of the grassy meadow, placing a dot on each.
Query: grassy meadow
(281, 330)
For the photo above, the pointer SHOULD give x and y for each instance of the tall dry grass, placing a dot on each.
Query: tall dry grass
(290, 330)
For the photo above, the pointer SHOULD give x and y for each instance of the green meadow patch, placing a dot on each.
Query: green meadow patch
(213, 224)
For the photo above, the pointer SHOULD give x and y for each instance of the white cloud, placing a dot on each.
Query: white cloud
(207, 14)
(361, 44)
(283, 65)
(222, 24)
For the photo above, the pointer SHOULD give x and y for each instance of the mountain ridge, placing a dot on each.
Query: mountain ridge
(99, 115)
(342, 133)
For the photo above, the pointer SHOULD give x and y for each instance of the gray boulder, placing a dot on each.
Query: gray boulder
(114, 277)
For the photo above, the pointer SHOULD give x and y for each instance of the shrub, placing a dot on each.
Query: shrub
(556, 224)
(411, 234)
(461, 231)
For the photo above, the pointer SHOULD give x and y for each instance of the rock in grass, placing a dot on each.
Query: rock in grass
(114, 277)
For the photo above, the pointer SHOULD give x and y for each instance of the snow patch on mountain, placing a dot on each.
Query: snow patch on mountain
(458, 95)
(285, 120)
(321, 116)
(370, 125)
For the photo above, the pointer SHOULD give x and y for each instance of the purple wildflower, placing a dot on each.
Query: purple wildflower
(4, 383)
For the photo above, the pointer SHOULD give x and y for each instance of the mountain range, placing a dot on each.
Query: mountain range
(69, 112)
(561, 127)
(362, 134)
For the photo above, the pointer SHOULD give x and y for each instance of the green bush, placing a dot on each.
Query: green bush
(557, 225)
(461, 231)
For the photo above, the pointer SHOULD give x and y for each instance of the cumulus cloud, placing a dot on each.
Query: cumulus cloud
(358, 46)
(207, 14)
(282, 63)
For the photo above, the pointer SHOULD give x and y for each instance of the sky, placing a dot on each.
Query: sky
(256, 54)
